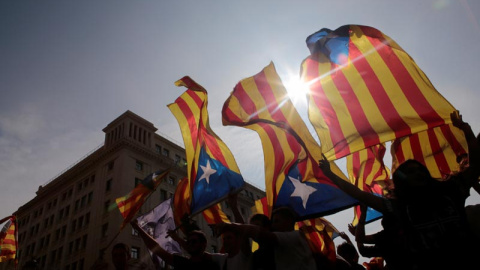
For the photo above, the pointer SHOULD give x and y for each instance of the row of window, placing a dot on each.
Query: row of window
(166, 153)
(53, 203)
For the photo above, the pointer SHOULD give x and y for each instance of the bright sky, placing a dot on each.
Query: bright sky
(68, 68)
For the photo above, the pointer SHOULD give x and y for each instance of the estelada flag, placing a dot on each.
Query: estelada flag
(365, 90)
(292, 175)
(212, 170)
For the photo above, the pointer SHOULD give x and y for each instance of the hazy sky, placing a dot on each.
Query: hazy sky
(68, 68)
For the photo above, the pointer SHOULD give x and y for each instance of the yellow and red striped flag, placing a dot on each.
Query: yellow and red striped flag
(215, 214)
(436, 148)
(319, 233)
(366, 166)
(367, 170)
(365, 90)
(292, 176)
(131, 203)
(212, 170)
(8, 242)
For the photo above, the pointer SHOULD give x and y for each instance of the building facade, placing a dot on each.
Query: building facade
(73, 219)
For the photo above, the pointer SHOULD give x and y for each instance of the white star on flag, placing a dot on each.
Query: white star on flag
(301, 190)
(207, 171)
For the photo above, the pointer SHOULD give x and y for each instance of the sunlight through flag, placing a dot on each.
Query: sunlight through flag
(365, 90)
(292, 176)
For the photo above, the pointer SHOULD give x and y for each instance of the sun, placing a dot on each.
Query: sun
(297, 90)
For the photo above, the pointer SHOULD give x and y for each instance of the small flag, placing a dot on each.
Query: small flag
(8, 242)
(131, 203)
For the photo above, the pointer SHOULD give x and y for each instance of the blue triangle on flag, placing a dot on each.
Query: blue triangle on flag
(213, 182)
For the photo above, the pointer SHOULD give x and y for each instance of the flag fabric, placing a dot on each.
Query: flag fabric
(292, 176)
(261, 207)
(366, 166)
(365, 90)
(8, 240)
(215, 214)
(319, 234)
(157, 223)
(365, 170)
(376, 188)
(131, 203)
(212, 170)
(181, 202)
(436, 148)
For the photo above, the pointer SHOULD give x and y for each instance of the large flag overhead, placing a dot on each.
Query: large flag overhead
(131, 203)
(157, 223)
(292, 176)
(8, 242)
(212, 170)
(436, 148)
(365, 90)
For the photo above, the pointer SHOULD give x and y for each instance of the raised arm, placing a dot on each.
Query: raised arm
(473, 171)
(232, 201)
(367, 198)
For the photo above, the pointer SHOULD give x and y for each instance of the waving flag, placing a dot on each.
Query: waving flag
(367, 171)
(319, 233)
(376, 188)
(157, 223)
(365, 90)
(292, 176)
(212, 170)
(8, 242)
(215, 214)
(436, 148)
(131, 203)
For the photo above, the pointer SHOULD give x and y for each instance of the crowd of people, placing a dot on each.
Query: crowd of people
(425, 225)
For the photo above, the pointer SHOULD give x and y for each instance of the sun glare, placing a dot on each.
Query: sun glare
(296, 89)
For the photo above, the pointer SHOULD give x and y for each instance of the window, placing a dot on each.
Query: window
(105, 230)
(171, 180)
(108, 185)
(158, 149)
(134, 232)
(139, 166)
(90, 197)
(83, 201)
(165, 152)
(177, 159)
(110, 166)
(135, 252)
(137, 181)
(106, 205)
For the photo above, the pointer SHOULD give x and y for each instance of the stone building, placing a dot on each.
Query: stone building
(74, 218)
